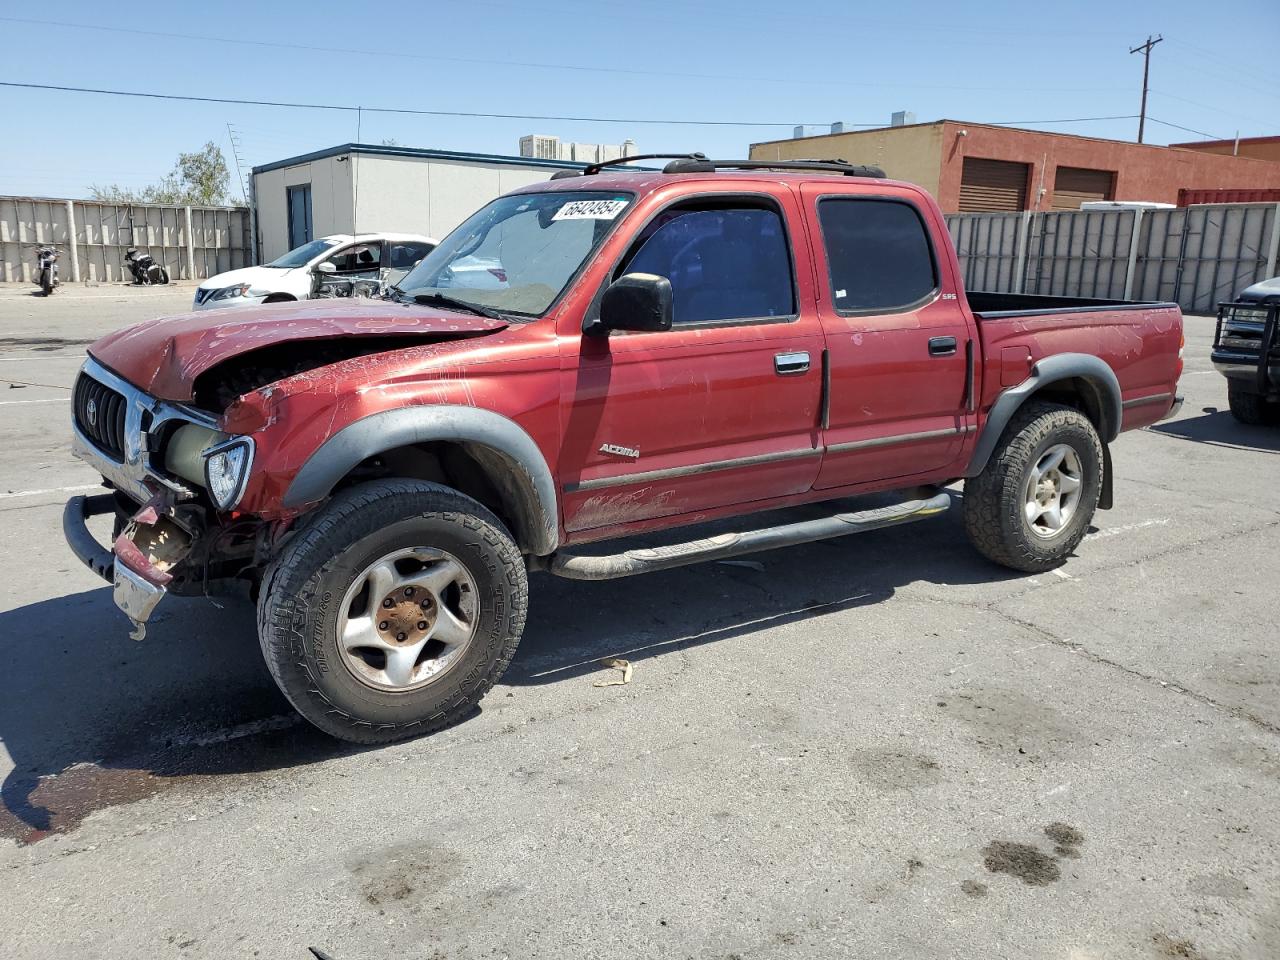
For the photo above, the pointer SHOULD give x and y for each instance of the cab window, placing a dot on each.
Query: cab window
(405, 255)
(359, 258)
(727, 260)
(878, 254)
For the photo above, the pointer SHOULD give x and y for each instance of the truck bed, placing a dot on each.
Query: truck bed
(989, 304)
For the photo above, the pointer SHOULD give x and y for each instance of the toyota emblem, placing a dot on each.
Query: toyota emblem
(91, 411)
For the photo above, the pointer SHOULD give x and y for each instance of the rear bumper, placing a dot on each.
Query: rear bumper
(1174, 409)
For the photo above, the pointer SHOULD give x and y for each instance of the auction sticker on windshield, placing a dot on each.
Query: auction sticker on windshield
(590, 210)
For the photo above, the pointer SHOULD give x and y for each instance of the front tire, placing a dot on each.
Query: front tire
(46, 281)
(1031, 505)
(1250, 408)
(393, 611)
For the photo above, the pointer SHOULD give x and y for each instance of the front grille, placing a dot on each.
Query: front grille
(202, 295)
(100, 415)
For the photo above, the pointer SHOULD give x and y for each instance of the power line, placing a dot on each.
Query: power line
(1178, 126)
(527, 64)
(1207, 106)
(1233, 58)
(1014, 123)
(493, 116)
(406, 110)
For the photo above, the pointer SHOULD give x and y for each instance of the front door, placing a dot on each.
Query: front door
(897, 337)
(723, 408)
(299, 198)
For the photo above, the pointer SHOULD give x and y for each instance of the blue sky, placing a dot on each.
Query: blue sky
(724, 60)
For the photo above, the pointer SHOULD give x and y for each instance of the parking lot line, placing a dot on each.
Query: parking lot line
(35, 493)
(15, 403)
(43, 356)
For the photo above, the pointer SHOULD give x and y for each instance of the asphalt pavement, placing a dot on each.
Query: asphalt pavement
(877, 747)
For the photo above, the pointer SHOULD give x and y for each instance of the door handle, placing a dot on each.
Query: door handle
(942, 346)
(785, 364)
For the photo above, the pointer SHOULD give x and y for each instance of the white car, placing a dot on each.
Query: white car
(297, 275)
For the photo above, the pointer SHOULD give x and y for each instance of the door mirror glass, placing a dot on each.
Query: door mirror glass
(636, 301)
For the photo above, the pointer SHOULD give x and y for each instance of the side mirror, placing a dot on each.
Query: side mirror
(326, 267)
(636, 301)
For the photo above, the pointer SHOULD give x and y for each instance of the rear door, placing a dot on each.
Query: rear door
(723, 408)
(897, 338)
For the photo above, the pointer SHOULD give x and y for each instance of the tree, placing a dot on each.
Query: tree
(197, 178)
(390, 142)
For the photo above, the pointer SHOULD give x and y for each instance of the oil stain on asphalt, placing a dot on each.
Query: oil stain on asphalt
(34, 806)
(1030, 864)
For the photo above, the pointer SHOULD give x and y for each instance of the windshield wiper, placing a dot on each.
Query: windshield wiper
(442, 300)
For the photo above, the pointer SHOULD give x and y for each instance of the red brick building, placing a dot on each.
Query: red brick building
(975, 167)
(1260, 148)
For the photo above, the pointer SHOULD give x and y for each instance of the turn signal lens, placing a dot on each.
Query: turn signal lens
(226, 471)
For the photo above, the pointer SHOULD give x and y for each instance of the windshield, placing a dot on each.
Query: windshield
(301, 256)
(517, 254)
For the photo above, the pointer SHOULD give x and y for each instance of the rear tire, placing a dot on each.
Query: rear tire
(1249, 408)
(322, 629)
(1009, 507)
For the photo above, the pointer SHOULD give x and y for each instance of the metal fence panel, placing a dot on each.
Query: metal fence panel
(987, 245)
(219, 238)
(1196, 256)
(1079, 253)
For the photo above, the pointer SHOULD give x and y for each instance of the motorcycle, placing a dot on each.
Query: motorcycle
(47, 269)
(144, 268)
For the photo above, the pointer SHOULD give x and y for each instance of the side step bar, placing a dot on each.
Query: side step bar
(722, 546)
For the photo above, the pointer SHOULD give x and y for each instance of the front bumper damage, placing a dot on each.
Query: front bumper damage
(140, 560)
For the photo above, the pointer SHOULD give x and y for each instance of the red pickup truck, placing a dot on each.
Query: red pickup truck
(606, 354)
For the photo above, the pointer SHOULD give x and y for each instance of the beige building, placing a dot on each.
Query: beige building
(358, 188)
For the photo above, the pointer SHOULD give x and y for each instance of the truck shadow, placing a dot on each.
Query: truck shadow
(1219, 428)
(91, 719)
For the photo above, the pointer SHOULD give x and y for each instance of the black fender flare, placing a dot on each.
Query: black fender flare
(518, 468)
(1061, 366)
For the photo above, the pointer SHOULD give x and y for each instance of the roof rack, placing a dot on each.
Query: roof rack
(823, 166)
(699, 163)
(594, 168)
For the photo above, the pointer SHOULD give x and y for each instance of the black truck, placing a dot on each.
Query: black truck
(1246, 350)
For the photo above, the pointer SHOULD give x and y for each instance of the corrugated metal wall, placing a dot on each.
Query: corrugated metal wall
(1196, 256)
(103, 231)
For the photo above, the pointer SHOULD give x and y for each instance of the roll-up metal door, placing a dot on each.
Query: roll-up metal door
(1074, 185)
(987, 185)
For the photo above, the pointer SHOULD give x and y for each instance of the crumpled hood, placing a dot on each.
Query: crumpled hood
(164, 357)
(265, 277)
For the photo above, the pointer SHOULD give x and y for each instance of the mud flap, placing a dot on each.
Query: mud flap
(1105, 495)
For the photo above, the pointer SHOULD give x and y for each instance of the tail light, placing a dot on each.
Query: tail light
(1182, 349)
(499, 273)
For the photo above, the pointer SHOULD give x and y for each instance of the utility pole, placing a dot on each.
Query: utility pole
(235, 152)
(1146, 69)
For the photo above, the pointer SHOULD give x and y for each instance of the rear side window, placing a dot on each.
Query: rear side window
(405, 255)
(724, 263)
(878, 253)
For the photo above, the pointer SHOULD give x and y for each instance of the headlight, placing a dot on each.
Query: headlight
(230, 293)
(226, 471)
(184, 451)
